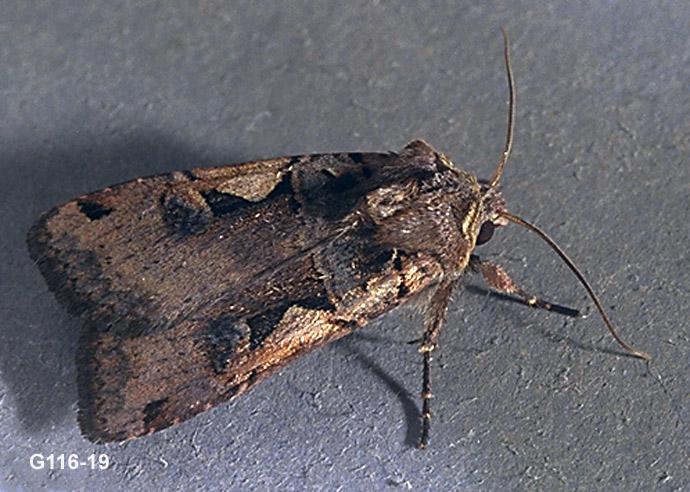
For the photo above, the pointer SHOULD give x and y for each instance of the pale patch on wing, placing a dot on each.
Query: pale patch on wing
(300, 327)
(252, 181)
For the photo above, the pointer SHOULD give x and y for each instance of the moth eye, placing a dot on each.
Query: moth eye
(485, 233)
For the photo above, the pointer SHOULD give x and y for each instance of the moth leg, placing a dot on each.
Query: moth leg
(499, 280)
(434, 321)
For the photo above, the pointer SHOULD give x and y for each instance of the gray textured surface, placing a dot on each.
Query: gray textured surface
(95, 93)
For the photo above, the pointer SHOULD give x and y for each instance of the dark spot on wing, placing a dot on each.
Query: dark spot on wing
(223, 203)
(403, 291)
(153, 410)
(357, 157)
(183, 216)
(341, 184)
(262, 325)
(93, 210)
(221, 339)
(381, 260)
(190, 175)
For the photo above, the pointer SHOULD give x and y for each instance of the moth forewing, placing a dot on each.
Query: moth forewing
(192, 289)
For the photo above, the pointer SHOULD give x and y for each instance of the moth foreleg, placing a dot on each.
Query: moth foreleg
(436, 314)
(499, 280)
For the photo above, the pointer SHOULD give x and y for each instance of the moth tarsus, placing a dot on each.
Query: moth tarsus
(194, 286)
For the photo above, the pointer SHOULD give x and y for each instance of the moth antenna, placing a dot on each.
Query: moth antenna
(633, 351)
(511, 113)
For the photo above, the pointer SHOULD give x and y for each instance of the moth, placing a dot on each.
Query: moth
(194, 286)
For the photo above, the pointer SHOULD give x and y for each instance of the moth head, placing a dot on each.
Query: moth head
(492, 206)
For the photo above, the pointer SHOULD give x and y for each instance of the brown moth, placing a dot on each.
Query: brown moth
(193, 286)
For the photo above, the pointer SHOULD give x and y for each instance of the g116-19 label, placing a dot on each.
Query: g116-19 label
(71, 461)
